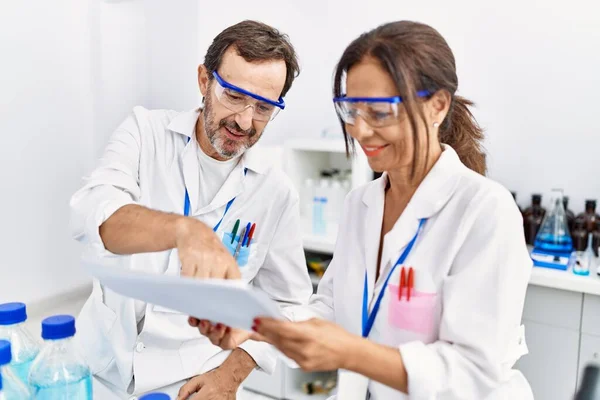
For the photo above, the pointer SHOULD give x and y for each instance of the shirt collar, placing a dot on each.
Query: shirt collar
(184, 123)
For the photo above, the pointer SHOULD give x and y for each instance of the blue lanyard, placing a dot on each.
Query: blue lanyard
(186, 204)
(369, 320)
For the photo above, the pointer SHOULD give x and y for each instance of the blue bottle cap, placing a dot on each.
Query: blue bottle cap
(58, 327)
(155, 396)
(5, 352)
(12, 313)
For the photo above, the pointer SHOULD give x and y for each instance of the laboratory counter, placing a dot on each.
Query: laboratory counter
(566, 280)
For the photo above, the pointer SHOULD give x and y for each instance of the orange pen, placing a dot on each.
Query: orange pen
(411, 282)
(402, 283)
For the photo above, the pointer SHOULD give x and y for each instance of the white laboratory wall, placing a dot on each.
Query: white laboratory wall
(46, 123)
(531, 67)
(71, 71)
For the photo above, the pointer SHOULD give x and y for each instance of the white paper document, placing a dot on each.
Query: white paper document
(230, 302)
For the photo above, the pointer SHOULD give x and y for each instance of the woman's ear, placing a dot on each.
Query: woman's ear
(439, 105)
(203, 79)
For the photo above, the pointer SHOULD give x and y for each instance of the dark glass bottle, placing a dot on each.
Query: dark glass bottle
(533, 217)
(569, 214)
(514, 195)
(589, 216)
(579, 235)
(596, 238)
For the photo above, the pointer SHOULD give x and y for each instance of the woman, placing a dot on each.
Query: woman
(424, 295)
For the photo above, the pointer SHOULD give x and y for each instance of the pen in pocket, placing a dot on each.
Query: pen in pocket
(239, 245)
(235, 228)
(250, 235)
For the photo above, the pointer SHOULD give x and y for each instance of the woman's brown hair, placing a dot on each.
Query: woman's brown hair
(418, 58)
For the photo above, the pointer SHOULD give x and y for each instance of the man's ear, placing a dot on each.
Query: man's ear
(203, 79)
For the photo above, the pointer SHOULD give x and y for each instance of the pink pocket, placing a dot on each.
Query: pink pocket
(416, 315)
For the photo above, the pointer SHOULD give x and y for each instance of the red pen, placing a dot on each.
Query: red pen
(402, 283)
(250, 235)
(411, 282)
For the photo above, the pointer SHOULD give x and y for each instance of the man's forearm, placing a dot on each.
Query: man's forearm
(239, 364)
(136, 229)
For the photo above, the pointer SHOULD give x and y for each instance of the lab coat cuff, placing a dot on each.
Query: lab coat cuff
(420, 386)
(263, 354)
(103, 212)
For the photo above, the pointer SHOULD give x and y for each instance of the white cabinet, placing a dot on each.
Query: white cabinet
(552, 320)
(551, 365)
(589, 352)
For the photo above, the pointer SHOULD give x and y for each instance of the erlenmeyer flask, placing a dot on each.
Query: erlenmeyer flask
(554, 234)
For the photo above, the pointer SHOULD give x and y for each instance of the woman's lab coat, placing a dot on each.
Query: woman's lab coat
(146, 162)
(460, 334)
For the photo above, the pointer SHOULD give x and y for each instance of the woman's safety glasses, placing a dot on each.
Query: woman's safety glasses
(378, 112)
(237, 100)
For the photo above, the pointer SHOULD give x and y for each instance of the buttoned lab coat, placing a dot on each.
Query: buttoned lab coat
(147, 161)
(460, 334)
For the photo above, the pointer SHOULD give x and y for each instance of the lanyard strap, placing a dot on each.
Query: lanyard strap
(186, 203)
(369, 320)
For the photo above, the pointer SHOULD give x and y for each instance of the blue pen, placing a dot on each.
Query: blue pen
(246, 234)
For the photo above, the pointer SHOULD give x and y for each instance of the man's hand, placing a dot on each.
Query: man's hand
(220, 335)
(201, 253)
(221, 383)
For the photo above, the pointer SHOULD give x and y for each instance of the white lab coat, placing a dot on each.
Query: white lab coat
(146, 162)
(462, 338)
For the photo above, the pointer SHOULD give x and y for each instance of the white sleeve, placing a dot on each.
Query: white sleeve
(283, 277)
(483, 298)
(112, 185)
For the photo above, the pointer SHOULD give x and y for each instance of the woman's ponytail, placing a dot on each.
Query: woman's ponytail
(462, 132)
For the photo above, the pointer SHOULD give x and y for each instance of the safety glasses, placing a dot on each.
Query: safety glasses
(237, 100)
(378, 112)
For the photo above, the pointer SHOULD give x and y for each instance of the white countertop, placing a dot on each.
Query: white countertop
(566, 280)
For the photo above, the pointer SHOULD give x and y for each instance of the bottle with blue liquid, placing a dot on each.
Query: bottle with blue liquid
(1, 391)
(155, 396)
(24, 347)
(58, 373)
(14, 388)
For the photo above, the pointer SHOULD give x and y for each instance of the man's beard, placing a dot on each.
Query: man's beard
(227, 148)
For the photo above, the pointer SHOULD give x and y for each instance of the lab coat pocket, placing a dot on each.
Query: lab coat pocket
(245, 252)
(95, 322)
(416, 315)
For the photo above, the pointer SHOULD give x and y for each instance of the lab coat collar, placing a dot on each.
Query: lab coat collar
(185, 124)
(431, 196)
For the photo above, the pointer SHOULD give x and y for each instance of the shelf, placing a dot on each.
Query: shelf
(299, 395)
(322, 145)
(319, 243)
(314, 278)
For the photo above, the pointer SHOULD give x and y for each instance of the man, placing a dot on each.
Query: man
(165, 199)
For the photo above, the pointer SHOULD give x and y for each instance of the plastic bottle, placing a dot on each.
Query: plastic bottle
(307, 195)
(58, 372)
(155, 396)
(24, 347)
(583, 265)
(1, 391)
(533, 217)
(337, 201)
(589, 216)
(14, 388)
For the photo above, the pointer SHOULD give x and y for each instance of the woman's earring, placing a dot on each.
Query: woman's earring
(436, 124)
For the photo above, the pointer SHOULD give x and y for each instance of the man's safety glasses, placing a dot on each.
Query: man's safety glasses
(237, 100)
(378, 112)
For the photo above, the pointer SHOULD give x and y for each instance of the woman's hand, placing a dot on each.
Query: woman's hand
(220, 335)
(316, 345)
